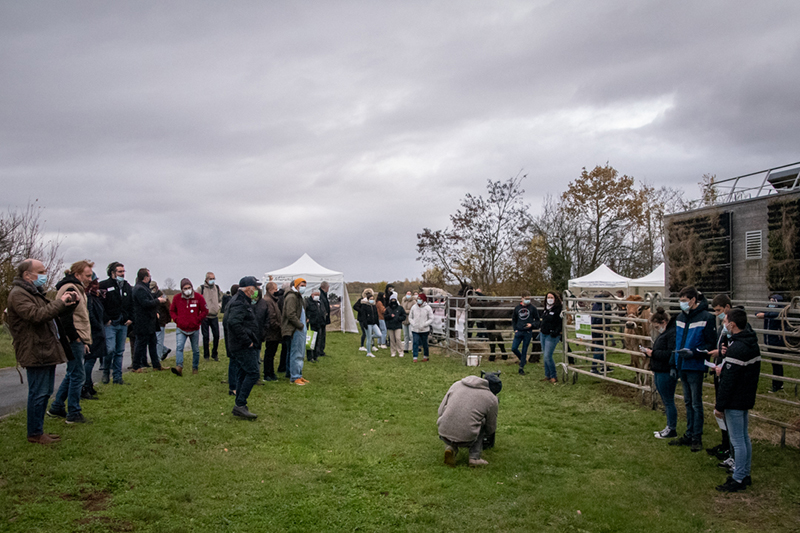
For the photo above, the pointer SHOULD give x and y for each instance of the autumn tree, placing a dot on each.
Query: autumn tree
(484, 236)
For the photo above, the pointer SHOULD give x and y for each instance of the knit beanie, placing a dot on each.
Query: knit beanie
(422, 297)
(185, 282)
(298, 281)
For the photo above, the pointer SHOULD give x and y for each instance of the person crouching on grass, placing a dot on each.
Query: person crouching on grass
(467, 414)
(738, 381)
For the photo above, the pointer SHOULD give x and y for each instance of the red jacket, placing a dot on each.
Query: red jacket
(188, 313)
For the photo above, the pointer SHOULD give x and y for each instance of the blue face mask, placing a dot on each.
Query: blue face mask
(725, 331)
(211, 282)
(685, 307)
(301, 289)
(120, 279)
(722, 317)
(526, 302)
(40, 280)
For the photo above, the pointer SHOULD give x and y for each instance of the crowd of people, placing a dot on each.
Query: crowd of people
(89, 321)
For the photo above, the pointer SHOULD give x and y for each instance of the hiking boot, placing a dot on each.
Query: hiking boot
(478, 462)
(106, 377)
(242, 412)
(731, 485)
(697, 446)
(683, 441)
(666, 433)
(298, 381)
(166, 353)
(57, 413)
(42, 439)
(78, 418)
(450, 456)
(177, 370)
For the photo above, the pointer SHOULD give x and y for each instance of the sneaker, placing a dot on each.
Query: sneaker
(731, 485)
(86, 395)
(177, 370)
(298, 382)
(166, 353)
(666, 433)
(78, 418)
(242, 412)
(414, 360)
(195, 371)
(215, 359)
(715, 451)
(697, 446)
(305, 381)
(374, 348)
(393, 355)
(370, 354)
(774, 390)
(425, 359)
(382, 346)
(401, 355)
(727, 464)
(683, 441)
(450, 456)
(362, 349)
(120, 382)
(57, 413)
(478, 462)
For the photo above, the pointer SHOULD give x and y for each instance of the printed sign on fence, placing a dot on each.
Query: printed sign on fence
(583, 327)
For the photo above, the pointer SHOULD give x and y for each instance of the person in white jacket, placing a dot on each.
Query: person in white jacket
(420, 319)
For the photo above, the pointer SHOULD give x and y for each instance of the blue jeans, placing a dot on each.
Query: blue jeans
(70, 389)
(41, 380)
(665, 385)
(382, 326)
(548, 347)
(737, 422)
(296, 354)
(116, 334)
(420, 339)
(693, 398)
(523, 337)
(160, 342)
(248, 374)
(371, 332)
(597, 352)
(180, 340)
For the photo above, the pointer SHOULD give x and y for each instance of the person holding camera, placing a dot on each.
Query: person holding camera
(39, 339)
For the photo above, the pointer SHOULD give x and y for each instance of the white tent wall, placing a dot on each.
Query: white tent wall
(314, 274)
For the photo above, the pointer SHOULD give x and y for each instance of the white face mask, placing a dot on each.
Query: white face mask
(316, 298)
(419, 301)
(550, 301)
(187, 292)
(526, 302)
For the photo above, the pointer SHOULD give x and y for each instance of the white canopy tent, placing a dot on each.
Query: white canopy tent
(342, 317)
(602, 278)
(654, 281)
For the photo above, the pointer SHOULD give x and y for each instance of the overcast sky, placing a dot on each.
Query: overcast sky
(235, 136)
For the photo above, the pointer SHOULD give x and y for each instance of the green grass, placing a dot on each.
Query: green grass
(7, 358)
(357, 449)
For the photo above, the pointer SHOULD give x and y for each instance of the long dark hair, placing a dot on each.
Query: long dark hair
(556, 298)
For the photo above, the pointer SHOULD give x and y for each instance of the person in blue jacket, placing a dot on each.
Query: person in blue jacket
(695, 336)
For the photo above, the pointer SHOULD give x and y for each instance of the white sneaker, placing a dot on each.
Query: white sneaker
(392, 355)
(382, 346)
(362, 349)
(374, 348)
(666, 433)
(370, 355)
(401, 355)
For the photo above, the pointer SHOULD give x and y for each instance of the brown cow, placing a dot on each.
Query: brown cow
(638, 360)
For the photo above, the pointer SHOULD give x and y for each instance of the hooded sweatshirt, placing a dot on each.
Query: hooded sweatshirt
(467, 406)
(741, 366)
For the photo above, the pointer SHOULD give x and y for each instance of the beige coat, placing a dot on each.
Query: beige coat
(81, 315)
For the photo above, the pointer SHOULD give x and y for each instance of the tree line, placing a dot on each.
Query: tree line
(495, 242)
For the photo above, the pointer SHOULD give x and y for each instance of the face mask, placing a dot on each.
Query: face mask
(316, 298)
(729, 334)
(408, 296)
(722, 316)
(187, 292)
(526, 302)
(725, 331)
(120, 278)
(685, 307)
(40, 280)
(254, 297)
(372, 301)
(419, 301)
(550, 301)
(211, 282)
(301, 289)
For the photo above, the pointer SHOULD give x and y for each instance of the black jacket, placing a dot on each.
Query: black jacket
(145, 308)
(662, 359)
(740, 371)
(367, 313)
(394, 315)
(551, 321)
(261, 312)
(524, 315)
(326, 306)
(773, 323)
(118, 303)
(315, 315)
(240, 324)
(96, 310)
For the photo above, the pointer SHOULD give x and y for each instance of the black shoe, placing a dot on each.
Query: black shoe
(58, 413)
(121, 383)
(231, 393)
(491, 357)
(86, 395)
(731, 485)
(504, 357)
(747, 481)
(242, 412)
(683, 441)
(106, 378)
(166, 353)
(206, 357)
(78, 419)
(521, 372)
(215, 359)
(774, 390)
(697, 446)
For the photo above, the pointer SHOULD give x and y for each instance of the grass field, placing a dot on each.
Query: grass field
(357, 449)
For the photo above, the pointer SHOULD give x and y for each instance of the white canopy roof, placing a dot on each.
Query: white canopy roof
(602, 278)
(306, 268)
(656, 279)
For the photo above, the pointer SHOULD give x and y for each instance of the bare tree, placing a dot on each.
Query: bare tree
(169, 284)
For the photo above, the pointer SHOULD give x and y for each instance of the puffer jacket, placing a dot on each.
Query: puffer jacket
(741, 366)
(293, 311)
(394, 315)
(35, 326)
(695, 331)
(367, 313)
(77, 323)
(420, 318)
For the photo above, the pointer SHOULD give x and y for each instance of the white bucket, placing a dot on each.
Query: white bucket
(473, 360)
